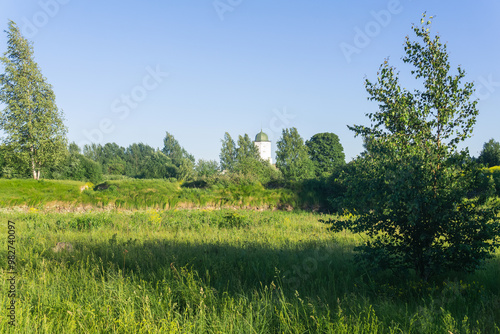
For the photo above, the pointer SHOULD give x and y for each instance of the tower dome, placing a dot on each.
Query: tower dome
(261, 136)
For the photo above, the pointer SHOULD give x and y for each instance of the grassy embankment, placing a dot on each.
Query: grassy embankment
(222, 271)
(139, 194)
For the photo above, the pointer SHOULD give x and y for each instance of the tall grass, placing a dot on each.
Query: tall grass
(223, 271)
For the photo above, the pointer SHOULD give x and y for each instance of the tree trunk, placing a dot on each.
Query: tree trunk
(33, 165)
(36, 173)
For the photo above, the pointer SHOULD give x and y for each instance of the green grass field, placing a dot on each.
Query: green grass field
(222, 271)
(132, 194)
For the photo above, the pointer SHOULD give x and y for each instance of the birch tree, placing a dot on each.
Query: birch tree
(411, 190)
(31, 121)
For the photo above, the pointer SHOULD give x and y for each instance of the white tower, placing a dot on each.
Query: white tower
(264, 145)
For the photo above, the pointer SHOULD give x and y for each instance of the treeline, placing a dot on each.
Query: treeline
(35, 145)
(94, 162)
(304, 166)
(312, 168)
(296, 160)
(143, 161)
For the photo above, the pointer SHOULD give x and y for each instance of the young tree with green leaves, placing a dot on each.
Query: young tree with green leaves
(410, 189)
(326, 153)
(292, 158)
(31, 120)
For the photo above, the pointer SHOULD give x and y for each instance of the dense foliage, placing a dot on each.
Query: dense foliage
(292, 157)
(207, 168)
(326, 153)
(490, 155)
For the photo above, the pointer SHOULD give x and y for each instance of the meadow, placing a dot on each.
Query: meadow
(222, 271)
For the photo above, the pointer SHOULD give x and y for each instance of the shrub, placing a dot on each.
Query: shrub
(234, 220)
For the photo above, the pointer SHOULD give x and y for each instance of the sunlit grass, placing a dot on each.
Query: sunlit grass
(223, 271)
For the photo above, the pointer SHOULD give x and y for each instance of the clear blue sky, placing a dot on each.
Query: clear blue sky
(128, 71)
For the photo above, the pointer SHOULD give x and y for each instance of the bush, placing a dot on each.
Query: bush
(234, 220)
(88, 222)
(495, 174)
(106, 186)
(111, 177)
(198, 184)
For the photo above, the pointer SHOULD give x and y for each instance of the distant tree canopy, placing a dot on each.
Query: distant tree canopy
(34, 128)
(74, 166)
(326, 153)
(143, 161)
(490, 155)
(246, 149)
(181, 159)
(247, 156)
(292, 158)
(137, 160)
(238, 158)
(206, 168)
(228, 153)
(173, 150)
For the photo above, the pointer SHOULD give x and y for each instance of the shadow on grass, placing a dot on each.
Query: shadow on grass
(312, 270)
(321, 274)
